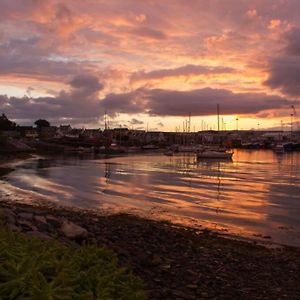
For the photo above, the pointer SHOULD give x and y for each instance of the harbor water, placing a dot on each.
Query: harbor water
(257, 194)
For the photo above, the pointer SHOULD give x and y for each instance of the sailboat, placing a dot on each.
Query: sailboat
(215, 153)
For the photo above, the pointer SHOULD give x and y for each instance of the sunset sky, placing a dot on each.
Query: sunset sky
(150, 63)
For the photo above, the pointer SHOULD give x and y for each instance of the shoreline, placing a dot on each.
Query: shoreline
(175, 262)
(7, 164)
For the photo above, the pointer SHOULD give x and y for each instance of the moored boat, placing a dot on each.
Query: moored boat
(279, 148)
(169, 153)
(213, 154)
(150, 147)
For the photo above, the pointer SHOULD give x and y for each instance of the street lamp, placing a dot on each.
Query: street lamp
(237, 123)
(292, 124)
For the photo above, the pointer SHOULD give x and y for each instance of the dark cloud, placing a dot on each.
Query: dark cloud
(186, 70)
(135, 122)
(81, 103)
(29, 58)
(86, 83)
(147, 32)
(284, 75)
(293, 39)
(127, 103)
(199, 102)
(284, 69)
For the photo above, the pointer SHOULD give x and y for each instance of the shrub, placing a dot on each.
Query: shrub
(42, 270)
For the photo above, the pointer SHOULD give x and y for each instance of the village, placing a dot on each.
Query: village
(65, 139)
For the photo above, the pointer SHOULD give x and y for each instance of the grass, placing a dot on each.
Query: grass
(46, 270)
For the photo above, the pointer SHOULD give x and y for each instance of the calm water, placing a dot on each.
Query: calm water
(258, 193)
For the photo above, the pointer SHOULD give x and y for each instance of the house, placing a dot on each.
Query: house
(63, 130)
(11, 133)
(154, 137)
(74, 133)
(48, 132)
(91, 133)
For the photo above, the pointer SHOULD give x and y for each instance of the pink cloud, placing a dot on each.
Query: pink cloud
(124, 41)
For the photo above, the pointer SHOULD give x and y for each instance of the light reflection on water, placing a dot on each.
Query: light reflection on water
(256, 193)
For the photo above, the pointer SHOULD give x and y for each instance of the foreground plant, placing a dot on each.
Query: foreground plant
(34, 269)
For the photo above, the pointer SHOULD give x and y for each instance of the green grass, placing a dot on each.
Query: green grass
(34, 269)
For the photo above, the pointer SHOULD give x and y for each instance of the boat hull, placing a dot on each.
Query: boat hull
(214, 155)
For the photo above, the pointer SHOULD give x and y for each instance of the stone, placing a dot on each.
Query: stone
(72, 230)
(26, 216)
(8, 215)
(14, 227)
(27, 224)
(40, 219)
(55, 222)
(39, 235)
(156, 260)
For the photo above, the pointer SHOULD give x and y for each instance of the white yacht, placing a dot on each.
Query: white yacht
(214, 154)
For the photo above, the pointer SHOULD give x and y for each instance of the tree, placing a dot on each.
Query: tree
(6, 124)
(42, 123)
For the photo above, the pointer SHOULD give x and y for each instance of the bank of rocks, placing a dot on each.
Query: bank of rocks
(44, 225)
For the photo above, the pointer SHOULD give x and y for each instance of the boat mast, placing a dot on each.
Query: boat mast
(105, 120)
(218, 112)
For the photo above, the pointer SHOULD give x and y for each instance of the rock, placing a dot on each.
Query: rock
(53, 221)
(8, 215)
(156, 260)
(40, 219)
(27, 225)
(26, 216)
(72, 230)
(192, 286)
(14, 227)
(41, 223)
(38, 234)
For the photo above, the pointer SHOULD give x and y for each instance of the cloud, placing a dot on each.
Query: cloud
(293, 41)
(81, 103)
(274, 23)
(284, 69)
(28, 58)
(135, 122)
(199, 102)
(187, 70)
(86, 84)
(284, 75)
(149, 33)
(251, 13)
(60, 40)
(127, 103)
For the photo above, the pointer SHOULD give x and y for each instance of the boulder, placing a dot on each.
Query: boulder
(55, 222)
(40, 219)
(26, 216)
(14, 228)
(39, 235)
(41, 223)
(72, 230)
(8, 215)
(26, 225)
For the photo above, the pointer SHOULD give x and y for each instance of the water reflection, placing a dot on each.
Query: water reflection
(257, 192)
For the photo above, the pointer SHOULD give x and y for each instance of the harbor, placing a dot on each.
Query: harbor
(149, 150)
(254, 195)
